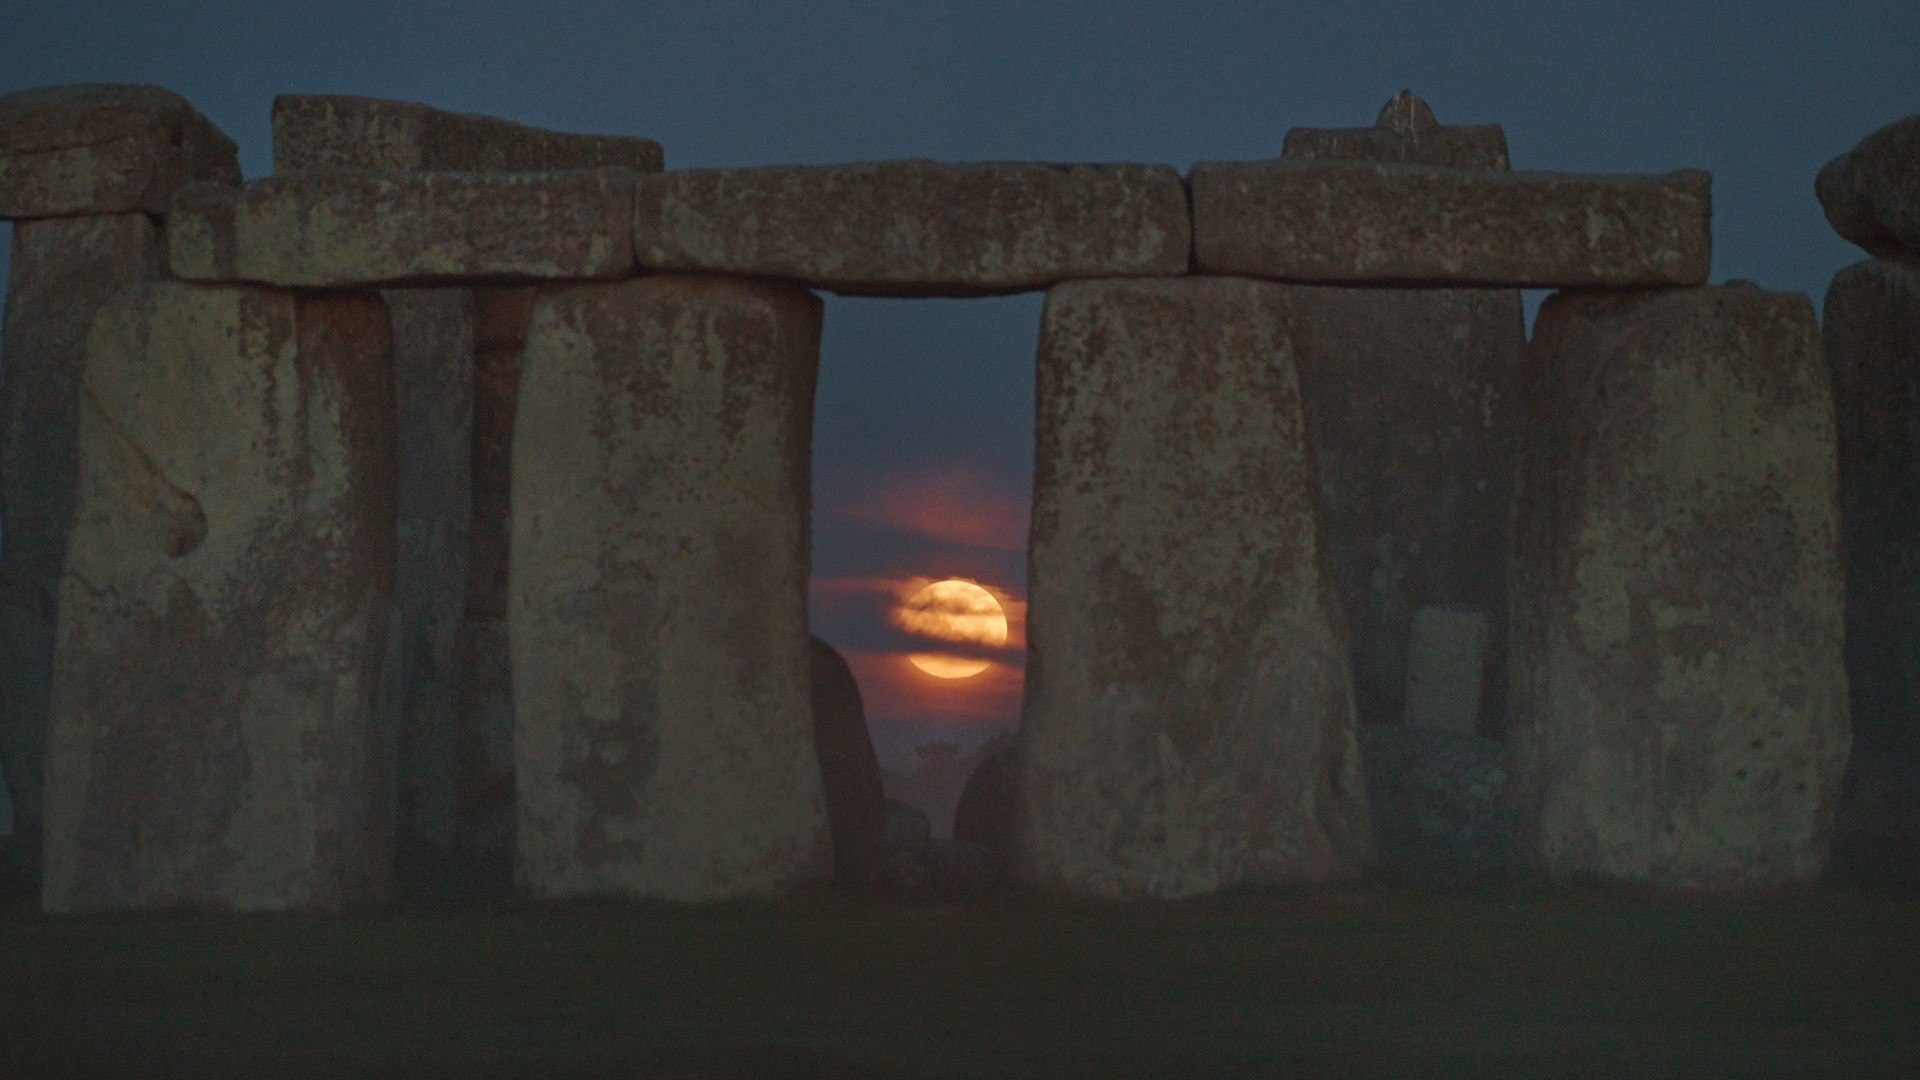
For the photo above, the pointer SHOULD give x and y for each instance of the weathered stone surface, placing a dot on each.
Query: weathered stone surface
(1871, 193)
(848, 766)
(1438, 800)
(1871, 336)
(1361, 222)
(1679, 698)
(313, 131)
(484, 747)
(420, 683)
(1446, 665)
(917, 228)
(1188, 721)
(104, 148)
(64, 271)
(984, 814)
(221, 616)
(663, 724)
(332, 227)
(1406, 132)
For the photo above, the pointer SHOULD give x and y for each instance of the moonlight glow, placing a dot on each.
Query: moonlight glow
(957, 611)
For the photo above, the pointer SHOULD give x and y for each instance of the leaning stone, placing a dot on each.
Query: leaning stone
(917, 228)
(1358, 222)
(1678, 687)
(313, 131)
(334, 227)
(984, 814)
(104, 148)
(1189, 720)
(1406, 132)
(1871, 193)
(212, 742)
(64, 272)
(1871, 337)
(848, 766)
(1446, 663)
(663, 725)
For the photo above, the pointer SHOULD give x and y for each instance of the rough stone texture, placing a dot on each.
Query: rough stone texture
(104, 148)
(1678, 689)
(221, 617)
(1438, 801)
(1362, 222)
(1446, 665)
(64, 271)
(984, 814)
(663, 723)
(848, 766)
(1188, 720)
(1407, 133)
(484, 748)
(1871, 193)
(333, 227)
(917, 228)
(337, 130)
(420, 685)
(1872, 344)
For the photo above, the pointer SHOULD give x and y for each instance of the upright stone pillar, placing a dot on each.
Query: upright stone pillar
(82, 169)
(1679, 693)
(1871, 335)
(1410, 397)
(663, 721)
(223, 606)
(1189, 719)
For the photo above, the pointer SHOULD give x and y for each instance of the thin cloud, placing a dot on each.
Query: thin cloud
(952, 504)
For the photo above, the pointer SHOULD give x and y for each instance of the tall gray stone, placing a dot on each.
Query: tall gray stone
(663, 725)
(1411, 400)
(1679, 697)
(1871, 335)
(212, 741)
(64, 271)
(1188, 721)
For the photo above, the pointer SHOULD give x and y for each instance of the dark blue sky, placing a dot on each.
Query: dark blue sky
(1759, 93)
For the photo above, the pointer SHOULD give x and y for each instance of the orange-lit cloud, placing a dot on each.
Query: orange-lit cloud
(956, 505)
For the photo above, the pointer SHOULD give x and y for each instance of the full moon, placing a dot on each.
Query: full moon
(953, 610)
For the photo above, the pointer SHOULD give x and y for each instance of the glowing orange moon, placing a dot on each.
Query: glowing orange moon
(953, 610)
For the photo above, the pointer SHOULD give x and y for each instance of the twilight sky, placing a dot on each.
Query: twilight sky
(923, 447)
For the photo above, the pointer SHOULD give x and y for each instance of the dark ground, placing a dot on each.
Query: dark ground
(1378, 981)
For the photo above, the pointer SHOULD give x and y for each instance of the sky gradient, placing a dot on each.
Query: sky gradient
(923, 447)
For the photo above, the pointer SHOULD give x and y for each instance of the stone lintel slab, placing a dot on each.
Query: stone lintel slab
(1407, 132)
(104, 148)
(1871, 193)
(1680, 700)
(917, 228)
(225, 596)
(1189, 718)
(664, 737)
(1364, 222)
(354, 227)
(339, 130)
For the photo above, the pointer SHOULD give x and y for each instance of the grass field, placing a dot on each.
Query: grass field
(1363, 982)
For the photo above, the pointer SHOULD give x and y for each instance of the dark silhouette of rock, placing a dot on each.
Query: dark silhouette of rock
(984, 815)
(1405, 132)
(848, 767)
(961, 868)
(1871, 193)
(1437, 800)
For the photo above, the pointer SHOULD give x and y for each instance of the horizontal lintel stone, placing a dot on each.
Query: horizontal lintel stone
(917, 228)
(1371, 222)
(313, 131)
(104, 148)
(355, 227)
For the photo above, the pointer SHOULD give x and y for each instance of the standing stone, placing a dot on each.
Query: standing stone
(1411, 402)
(104, 148)
(1188, 721)
(212, 741)
(984, 814)
(64, 271)
(848, 766)
(1871, 193)
(663, 725)
(1872, 344)
(1445, 665)
(1679, 694)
